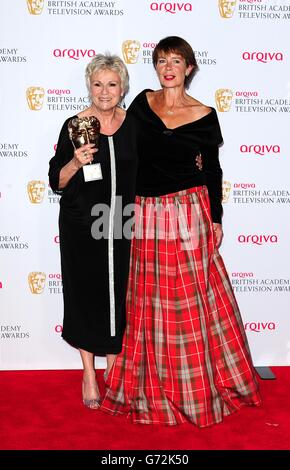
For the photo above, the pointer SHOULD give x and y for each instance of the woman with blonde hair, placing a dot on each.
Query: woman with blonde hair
(91, 182)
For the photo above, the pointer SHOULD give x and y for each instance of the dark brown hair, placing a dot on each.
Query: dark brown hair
(181, 47)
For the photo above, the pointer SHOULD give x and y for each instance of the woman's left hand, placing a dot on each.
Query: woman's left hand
(218, 232)
(198, 161)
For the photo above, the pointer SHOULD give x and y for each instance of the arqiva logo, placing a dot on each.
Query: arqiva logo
(264, 57)
(244, 185)
(75, 54)
(58, 91)
(258, 149)
(258, 239)
(171, 7)
(243, 275)
(257, 327)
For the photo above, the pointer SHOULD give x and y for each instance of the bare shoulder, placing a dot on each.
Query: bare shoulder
(152, 96)
(199, 109)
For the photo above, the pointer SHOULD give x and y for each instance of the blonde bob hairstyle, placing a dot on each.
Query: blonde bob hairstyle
(108, 62)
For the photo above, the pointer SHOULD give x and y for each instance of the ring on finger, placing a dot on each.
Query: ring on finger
(86, 155)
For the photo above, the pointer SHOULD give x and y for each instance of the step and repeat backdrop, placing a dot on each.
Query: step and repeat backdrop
(242, 48)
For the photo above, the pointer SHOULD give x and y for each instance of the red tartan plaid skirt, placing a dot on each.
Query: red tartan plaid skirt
(185, 356)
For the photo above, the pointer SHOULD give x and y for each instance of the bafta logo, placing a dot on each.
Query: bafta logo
(35, 7)
(35, 191)
(226, 191)
(35, 97)
(130, 49)
(223, 99)
(227, 8)
(36, 281)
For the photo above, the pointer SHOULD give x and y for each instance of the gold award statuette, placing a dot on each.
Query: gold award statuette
(84, 130)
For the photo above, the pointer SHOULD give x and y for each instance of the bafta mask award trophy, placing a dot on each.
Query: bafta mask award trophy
(84, 131)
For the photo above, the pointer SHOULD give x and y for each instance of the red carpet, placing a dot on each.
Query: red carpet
(43, 410)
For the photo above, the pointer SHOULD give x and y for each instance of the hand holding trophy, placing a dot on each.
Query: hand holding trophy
(85, 131)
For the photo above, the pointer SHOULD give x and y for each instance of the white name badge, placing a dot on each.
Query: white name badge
(92, 172)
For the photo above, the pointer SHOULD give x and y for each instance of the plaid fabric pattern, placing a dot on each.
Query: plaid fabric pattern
(185, 356)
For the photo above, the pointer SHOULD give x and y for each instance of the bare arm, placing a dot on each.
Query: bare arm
(82, 156)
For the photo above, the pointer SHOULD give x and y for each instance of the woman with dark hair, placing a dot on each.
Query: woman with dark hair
(185, 356)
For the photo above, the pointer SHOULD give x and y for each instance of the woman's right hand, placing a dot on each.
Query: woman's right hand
(84, 155)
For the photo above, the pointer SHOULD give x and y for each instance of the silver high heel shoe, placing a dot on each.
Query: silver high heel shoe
(92, 403)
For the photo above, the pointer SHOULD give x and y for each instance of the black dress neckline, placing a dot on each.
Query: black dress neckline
(177, 127)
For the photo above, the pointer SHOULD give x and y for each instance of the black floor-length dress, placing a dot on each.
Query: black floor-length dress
(95, 271)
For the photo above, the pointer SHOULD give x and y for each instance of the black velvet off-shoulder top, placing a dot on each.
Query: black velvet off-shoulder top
(167, 156)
